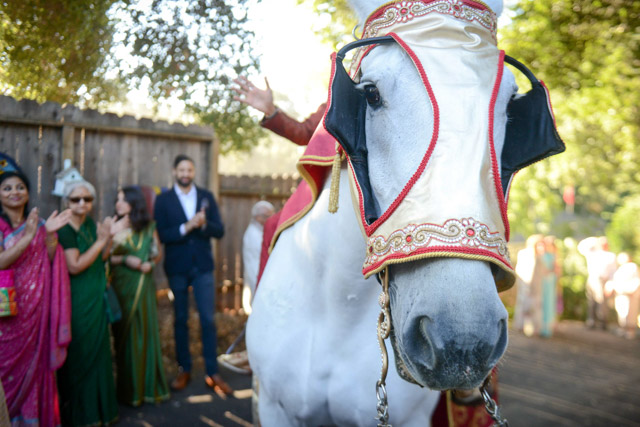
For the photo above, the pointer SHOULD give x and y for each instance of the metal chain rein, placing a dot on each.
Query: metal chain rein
(491, 406)
(384, 328)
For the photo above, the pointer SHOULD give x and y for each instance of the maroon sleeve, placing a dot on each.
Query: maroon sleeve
(287, 127)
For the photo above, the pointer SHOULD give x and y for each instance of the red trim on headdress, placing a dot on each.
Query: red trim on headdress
(369, 229)
(494, 160)
(439, 249)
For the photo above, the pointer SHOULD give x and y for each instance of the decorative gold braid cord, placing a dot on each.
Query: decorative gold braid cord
(384, 329)
(334, 191)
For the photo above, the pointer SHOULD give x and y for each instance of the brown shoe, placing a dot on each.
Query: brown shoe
(218, 385)
(181, 381)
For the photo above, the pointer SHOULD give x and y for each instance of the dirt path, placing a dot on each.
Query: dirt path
(579, 377)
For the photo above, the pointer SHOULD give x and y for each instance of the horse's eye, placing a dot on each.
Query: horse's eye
(373, 95)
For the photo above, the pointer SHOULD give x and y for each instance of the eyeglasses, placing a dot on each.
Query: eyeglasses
(87, 199)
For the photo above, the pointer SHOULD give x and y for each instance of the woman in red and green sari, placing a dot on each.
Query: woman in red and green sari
(33, 340)
(85, 382)
(135, 250)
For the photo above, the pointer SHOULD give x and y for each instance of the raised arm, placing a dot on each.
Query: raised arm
(275, 120)
(77, 262)
(9, 256)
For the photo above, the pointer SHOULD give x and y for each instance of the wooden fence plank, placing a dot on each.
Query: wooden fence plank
(238, 194)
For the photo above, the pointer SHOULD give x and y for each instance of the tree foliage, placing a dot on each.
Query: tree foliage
(192, 51)
(588, 54)
(90, 52)
(337, 23)
(55, 50)
(622, 232)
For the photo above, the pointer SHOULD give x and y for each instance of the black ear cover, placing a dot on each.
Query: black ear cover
(531, 133)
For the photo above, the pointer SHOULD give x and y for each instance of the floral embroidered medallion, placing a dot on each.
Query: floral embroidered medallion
(466, 232)
(405, 11)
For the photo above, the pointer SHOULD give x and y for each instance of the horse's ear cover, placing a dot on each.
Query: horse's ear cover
(531, 133)
(345, 120)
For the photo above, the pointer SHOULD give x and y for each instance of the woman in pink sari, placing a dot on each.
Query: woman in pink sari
(33, 341)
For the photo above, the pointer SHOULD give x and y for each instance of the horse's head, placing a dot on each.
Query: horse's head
(423, 127)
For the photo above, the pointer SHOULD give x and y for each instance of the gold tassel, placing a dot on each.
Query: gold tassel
(334, 191)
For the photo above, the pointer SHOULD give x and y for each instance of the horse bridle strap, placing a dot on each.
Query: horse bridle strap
(384, 329)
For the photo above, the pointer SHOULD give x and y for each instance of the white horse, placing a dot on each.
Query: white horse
(312, 333)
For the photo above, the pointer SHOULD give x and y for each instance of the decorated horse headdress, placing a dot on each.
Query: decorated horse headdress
(443, 38)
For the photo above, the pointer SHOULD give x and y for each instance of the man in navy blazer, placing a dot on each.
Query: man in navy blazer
(186, 219)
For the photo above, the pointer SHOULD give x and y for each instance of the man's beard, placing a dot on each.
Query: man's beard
(184, 182)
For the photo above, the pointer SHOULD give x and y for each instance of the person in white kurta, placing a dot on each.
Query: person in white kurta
(625, 286)
(601, 264)
(526, 260)
(251, 247)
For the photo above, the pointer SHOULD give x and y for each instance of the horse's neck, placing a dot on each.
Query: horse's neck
(340, 249)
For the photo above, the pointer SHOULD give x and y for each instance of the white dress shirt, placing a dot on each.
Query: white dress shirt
(188, 201)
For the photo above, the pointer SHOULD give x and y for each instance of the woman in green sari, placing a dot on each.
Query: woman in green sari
(85, 381)
(135, 250)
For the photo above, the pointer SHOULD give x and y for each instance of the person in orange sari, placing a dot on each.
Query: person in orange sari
(33, 341)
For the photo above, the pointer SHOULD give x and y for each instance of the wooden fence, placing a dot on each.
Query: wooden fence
(238, 194)
(112, 151)
(108, 150)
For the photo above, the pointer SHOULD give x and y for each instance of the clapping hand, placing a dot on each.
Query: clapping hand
(133, 262)
(120, 224)
(31, 224)
(57, 220)
(201, 218)
(198, 220)
(260, 99)
(104, 229)
(145, 267)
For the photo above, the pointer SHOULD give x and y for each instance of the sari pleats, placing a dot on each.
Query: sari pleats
(85, 381)
(33, 343)
(140, 370)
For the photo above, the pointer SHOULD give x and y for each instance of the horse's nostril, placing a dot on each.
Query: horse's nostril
(501, 344)
(425, 337)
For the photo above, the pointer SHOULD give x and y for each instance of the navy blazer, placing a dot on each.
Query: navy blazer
(192, 251)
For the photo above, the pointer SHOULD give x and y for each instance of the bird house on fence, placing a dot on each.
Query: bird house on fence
(68, 174)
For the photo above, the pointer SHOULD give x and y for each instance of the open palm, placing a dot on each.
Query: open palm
(248, 93)
(57, 220)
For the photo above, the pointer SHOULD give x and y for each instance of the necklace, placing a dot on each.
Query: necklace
(141, 236)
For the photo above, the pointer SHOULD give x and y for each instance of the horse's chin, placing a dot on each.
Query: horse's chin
(452, 375)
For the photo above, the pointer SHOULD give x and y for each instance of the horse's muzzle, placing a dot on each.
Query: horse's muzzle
(440, 363)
